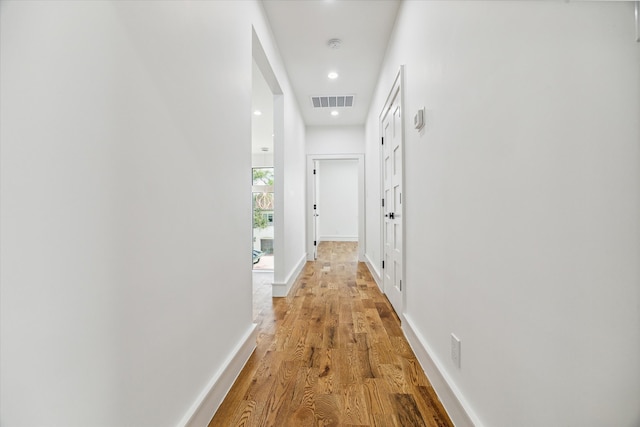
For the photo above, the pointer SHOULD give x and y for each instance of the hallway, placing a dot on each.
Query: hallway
(331, 353)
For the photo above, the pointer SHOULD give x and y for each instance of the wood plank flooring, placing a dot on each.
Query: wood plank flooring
(331, 354)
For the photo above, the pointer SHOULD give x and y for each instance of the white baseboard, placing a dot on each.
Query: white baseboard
(338, 238)
(207, 403)
(375, 273)
(458, 409)
(281, 289)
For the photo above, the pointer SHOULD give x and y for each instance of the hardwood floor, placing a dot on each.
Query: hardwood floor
(331, 354)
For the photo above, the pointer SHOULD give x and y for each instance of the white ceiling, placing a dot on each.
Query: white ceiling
(302, 29)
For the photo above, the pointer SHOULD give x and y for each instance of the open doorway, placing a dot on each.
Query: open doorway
(267, 152)
(336, 201)
(262, 189)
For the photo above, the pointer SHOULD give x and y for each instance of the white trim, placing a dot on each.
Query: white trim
(457, 407)
(207, 403)
(338, 238)
(375, 273)
(361, 195)
(281, 289)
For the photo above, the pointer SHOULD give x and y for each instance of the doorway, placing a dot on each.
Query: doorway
(266, 135)
(263, 173)
(267, 152)
(335, 189)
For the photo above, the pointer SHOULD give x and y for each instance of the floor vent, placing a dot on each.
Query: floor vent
(332, 101)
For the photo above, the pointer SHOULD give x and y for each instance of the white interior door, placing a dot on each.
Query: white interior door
(392, 192)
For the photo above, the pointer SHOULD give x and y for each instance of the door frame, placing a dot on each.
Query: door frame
(260, 57)
(398, 85)
(311, 158)
(314, 201)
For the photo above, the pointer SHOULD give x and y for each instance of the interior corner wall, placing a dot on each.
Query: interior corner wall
(260, 160)
(522, 204)
(120, 121)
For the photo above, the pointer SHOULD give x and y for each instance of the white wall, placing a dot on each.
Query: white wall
(335, 139)
(125, 287)
(262, 160)
(522, 204)
(338, 200)
(290, 193)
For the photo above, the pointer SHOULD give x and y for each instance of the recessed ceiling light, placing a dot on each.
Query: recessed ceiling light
(334, 113)
(257, 113)
(333, 75)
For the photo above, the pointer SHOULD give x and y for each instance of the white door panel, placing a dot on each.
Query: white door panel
(392, 169)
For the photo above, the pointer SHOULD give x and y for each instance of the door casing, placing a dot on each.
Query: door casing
(311, 159)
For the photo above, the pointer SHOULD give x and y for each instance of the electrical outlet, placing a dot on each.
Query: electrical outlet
(455, 350)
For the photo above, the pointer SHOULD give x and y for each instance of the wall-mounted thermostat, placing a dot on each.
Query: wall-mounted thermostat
(418, 119)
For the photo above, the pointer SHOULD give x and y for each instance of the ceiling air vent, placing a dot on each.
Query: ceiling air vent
(332, 101)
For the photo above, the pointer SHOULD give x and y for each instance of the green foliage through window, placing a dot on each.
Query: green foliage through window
(262, 202)
(263, 176)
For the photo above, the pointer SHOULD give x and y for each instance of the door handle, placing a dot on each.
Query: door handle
(390, 215)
